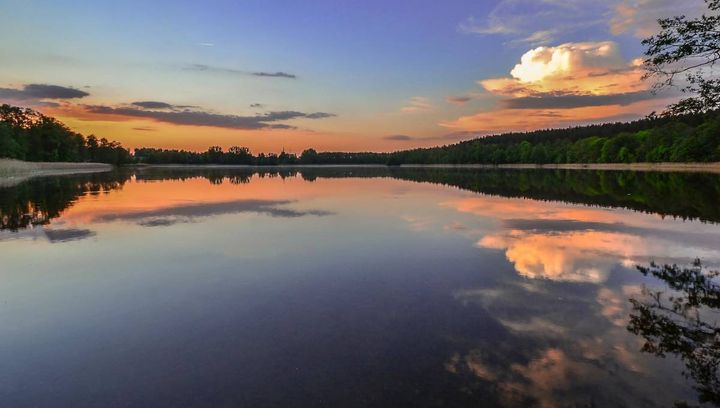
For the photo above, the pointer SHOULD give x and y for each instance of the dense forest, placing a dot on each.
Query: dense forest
(29, 135)
(686, 138)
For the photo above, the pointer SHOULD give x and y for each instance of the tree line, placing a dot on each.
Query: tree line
(29, 135)
(687, 138)
(683, 138)
(214, 155)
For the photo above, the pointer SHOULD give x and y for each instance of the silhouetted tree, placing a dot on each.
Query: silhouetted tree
(309, 156)
(688, 48)
(29, 135)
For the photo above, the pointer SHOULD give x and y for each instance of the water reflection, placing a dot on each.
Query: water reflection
(582, 244)
(189, 212)
(357, 287)
(38, 201)
(682, 319)
(682, 195)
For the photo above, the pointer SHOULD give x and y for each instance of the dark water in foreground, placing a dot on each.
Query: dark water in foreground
(358, 287)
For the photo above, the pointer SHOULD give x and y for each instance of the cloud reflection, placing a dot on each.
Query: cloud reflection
(561, 340)
(187, 213)
(54, 235)
(579, 244)
(571, 257)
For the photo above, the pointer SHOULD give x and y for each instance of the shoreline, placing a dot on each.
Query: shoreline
(13, 172)
(659, 167)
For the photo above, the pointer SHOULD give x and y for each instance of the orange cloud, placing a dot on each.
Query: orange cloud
(591, 68)
(571, 83)
(502, 120)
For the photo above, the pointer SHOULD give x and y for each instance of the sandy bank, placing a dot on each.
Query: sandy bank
(13, 172)
(664, 167)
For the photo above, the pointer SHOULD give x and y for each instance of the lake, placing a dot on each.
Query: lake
(359, 287)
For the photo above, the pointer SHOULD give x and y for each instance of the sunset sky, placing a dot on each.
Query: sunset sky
(330, 74)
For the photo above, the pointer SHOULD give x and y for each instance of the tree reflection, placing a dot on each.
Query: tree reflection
(691, 196)
(39, 200)
(683, 322)
(683, 195)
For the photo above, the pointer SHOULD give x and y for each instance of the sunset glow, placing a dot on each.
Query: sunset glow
(376, 77)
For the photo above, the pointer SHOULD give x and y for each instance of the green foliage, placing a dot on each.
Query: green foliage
(29, 135)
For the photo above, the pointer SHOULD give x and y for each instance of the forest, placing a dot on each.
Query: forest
(26, 134)
(681, 138)
(29, 135)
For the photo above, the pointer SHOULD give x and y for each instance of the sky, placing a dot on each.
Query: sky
(371, 75)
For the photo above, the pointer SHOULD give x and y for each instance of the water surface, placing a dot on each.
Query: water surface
(349, 287)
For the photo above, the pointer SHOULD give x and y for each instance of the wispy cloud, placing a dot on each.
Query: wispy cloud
(461, 99)
(222, 70)
(540, 37)
(160, 105)
(538, 22)
(492, 25)
(455, 136)
(278, 74)
(417, 104)
(38, 92)
(401, 138)
(554, 101)
(169, 113)
(639, 17)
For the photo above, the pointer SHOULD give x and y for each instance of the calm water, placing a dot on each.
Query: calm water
(353, 287)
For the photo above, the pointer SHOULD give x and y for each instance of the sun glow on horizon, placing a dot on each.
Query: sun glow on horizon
(190, 86)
